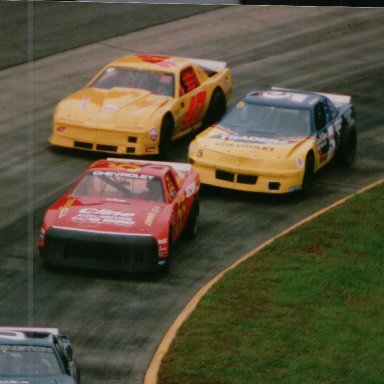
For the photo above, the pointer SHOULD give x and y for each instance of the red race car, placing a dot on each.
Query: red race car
(122, 214)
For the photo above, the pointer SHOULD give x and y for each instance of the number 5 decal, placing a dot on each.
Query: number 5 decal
(195, 110)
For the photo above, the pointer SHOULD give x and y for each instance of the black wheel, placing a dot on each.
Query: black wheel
(309, 173)
(166, 133)
(217, 108)
(347, 149)
(191, 227)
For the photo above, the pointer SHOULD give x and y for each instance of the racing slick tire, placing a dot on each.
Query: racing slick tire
(348, 142)
(217, 108)
(191, 227)
(309, 173)
(166, 133)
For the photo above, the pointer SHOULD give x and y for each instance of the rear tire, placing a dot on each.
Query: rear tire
(348, 142)
(217, 108)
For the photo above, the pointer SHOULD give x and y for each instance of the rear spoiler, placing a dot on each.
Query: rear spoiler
(337, 100)
(210, 64)
(179, 167)
(53, 331)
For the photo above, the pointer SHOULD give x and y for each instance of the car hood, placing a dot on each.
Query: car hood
(226, 142)
(62, 379)
(106, 215)
(110, 108)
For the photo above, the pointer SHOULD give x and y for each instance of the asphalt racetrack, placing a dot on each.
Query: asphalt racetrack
(116, 322)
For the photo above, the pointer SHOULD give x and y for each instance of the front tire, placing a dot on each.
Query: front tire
(309, 173)
(191, 227)
(166, 133)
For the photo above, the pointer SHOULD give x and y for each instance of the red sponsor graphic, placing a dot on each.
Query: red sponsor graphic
(161, 60)
(195, 110)
(60, 129)
(124, 165)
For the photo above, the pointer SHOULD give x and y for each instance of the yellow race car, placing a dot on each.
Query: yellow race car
(275, 140)
(138, 104)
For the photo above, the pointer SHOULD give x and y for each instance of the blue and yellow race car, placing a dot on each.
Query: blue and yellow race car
(275, 140)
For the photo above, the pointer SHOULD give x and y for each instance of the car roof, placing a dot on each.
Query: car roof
(161, 63)
(27, 336)
(285, 98)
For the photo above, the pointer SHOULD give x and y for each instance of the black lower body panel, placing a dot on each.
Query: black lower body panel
(100, 251)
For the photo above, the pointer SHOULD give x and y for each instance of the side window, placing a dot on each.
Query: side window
(171, 185)
(320, 119)
(188, 80)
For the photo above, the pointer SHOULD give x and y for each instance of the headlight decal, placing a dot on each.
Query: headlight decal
(300, 163)
(153, 134)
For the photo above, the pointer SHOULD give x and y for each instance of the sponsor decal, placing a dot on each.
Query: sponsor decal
(250, 139)
(195, 110)
(65, 208)
(153, 134)
(300, 163)
(240, 146)
(24, 348)
(161, 60)
(122, 174)
(60, 129)
(162, 241)
(84, 103)
(151, 215)
(162, 250)
(190, 189)
(132, 167)
(299, 98)
(104, 216)
(110, 107)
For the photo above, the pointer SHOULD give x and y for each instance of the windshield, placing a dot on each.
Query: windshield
(159, 83)
(27, 360)
(267, 121)
(116, 184)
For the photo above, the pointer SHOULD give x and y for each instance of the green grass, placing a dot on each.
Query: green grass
(308, 308)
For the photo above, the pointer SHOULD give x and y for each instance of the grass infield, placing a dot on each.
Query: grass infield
(308, 308)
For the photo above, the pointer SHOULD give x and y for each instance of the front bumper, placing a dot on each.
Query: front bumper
(102, 140)
(100, 251)
(249, 180)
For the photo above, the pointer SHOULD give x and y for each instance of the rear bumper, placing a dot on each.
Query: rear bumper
(101, 251)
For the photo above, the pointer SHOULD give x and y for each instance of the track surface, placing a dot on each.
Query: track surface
(114, 321)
